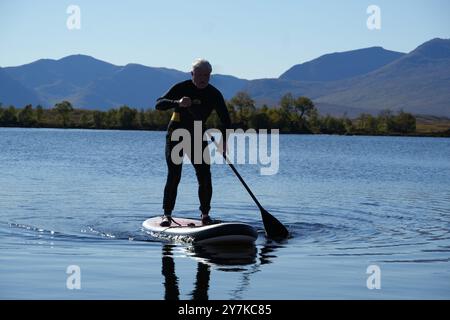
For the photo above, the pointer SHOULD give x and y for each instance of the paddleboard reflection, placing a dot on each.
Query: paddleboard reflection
(223, 256)
(239, 259)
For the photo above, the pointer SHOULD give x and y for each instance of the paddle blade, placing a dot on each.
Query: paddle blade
(274, 228)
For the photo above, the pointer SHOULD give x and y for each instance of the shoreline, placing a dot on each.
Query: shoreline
(445, 134)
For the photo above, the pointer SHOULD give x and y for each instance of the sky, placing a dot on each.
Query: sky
(249, 39)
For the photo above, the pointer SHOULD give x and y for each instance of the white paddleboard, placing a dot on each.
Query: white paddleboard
(192, 231)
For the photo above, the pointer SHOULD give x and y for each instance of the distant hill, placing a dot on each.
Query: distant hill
(94, 84)
(418, 82)
(364, 80)
(56, 80)
(12, 92)
(228, 85)
(342, 65)
(134, 85)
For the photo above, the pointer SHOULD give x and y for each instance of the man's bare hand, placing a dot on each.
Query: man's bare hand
(185, 102)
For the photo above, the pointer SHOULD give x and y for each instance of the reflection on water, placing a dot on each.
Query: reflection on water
(225, 257)
(241, 259)
(170, 279)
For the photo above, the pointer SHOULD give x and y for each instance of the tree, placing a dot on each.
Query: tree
(160, 119)
(386, 121)
(287, 121)
(275, 118)
(39, 113)
(303, 105)
(405, 123)
(85, 120)
(26, 116)
(260, 120)
(111, 119)
(287, 102)
(245, 106)
(265, 109)
(142, 121)
(292, 112)
(232, 112)
(9, 117)
(213, 121)
(64, 110)
(314, 122)
(98, 119)
(348, 124)
(127, 117)
(150, 119)
(367, 123)
(331, 125)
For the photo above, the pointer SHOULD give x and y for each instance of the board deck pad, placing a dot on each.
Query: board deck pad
(193, 231)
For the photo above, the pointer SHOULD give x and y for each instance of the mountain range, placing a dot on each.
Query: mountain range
(352, 82)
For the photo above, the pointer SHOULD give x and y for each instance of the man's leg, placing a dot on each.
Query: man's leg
(173, 179)
(203, 172)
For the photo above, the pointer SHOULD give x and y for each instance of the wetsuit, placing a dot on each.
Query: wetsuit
(204, 101)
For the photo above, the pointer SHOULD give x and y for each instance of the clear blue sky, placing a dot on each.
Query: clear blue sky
(246, 38)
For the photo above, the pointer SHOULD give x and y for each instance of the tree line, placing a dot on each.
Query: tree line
(292, 115)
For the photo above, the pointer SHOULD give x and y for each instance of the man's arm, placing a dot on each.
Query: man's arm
(169, 100)
(224, 116)
(165, 104)
(222, 112)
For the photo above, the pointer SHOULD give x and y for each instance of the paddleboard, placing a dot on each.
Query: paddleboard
(192, 231)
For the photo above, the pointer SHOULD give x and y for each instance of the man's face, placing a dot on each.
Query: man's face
(200, 77)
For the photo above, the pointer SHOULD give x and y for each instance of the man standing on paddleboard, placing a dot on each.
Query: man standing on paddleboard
(192, 100)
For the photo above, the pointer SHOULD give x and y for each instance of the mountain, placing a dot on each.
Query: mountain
(364, 80)
(343, 65)
(418, 82)
(94, 84)
(134, 85)
(228, 85)
(317, 78)
(140, 86)
(56, 80)
(12, 92)
(76, 70)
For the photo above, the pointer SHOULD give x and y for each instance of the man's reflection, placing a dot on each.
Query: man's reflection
(202, 282)
(226, 258)
(168, 271)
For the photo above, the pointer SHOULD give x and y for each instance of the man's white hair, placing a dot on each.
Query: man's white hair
(201, 64)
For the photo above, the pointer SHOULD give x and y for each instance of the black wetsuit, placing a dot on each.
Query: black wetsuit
(204, 101)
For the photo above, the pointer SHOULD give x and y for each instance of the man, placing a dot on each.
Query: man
(192, 100)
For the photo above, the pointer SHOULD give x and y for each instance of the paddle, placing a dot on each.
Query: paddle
(274, 228)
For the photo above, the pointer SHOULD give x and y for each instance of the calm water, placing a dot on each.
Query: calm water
(78, 197)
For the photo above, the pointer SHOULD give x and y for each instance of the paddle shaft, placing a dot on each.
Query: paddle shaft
(239, 176)
(243, 182)
(274, 228)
